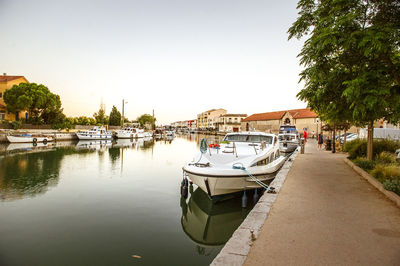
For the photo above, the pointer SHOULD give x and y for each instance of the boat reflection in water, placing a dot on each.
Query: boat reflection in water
(94, 144)
(211, 225)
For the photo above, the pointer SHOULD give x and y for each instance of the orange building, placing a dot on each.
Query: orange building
(6, 82)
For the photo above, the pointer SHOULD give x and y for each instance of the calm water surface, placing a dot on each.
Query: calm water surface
(101, 203)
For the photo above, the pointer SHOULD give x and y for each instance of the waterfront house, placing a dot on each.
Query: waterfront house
(6, 82)
(271, 121)
(210, 118)
(230, 122)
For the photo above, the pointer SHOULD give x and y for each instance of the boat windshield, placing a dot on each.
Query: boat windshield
(249, 138)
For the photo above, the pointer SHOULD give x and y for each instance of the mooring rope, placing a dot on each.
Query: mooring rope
(240, 166)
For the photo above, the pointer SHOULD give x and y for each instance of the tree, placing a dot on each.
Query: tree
(115, 117)
(145, 119)
(351, 60)
(100, 116)
(43, 106)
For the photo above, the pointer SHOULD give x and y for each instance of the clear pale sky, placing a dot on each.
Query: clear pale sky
(179, 57)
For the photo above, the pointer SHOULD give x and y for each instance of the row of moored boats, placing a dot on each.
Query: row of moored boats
(96, 133)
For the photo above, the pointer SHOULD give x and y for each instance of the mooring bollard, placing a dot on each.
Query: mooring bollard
(302, 146)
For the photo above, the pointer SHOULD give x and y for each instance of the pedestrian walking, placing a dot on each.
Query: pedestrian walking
(320, 141)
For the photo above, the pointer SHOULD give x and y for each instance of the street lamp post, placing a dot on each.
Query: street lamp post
(123, 110)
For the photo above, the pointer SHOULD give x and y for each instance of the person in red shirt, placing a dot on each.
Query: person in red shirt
(305, 135)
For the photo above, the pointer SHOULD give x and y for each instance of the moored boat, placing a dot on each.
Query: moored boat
(289, 138)
(243, 160)
(289, 142)
(28, 138)
(96, 133)
(125, 133)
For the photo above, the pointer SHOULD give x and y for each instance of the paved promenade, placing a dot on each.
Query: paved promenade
(326, 214)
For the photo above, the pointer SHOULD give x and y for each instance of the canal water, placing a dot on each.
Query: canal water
(108, 203)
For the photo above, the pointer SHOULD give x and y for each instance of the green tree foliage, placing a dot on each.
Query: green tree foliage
(42, 105)
(115, 117)
(100, 116)
(145, 119)
(351, 59)
(82, 120)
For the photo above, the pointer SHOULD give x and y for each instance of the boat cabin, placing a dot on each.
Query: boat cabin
(251, 137)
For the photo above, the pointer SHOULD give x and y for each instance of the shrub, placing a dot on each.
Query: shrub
(382, 172)
(379, 172)
(392, 171)
(358, 148)
(386, 157)
(16, 124)
(350, 144)
(364, 163)
(392, 185)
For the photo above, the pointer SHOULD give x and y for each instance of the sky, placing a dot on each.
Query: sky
(178, 57)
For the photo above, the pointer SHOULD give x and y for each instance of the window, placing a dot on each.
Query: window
(2, 115)
(1, 94)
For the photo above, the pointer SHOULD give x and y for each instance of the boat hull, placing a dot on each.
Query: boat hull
(123, 135)
(93, 136)
(289, 147)
(216, 185)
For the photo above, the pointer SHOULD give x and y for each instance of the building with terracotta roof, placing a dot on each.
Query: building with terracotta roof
(6, 82)
(271, 121)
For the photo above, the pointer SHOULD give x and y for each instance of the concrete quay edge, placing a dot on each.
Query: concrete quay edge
(238, 246)
(378, 185)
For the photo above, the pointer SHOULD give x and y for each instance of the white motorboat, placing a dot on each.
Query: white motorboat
(243, 160)
(288, 142)
(169, 133)
(28, 138)
(125, 133)
(96, 133)
(147, 135)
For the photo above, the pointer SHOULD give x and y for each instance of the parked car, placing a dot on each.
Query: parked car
(349, 137)
(341, 136)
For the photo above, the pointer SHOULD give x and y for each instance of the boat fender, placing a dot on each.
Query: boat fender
(244, 199)
(44, 141)
(203, 146)
(34, 140)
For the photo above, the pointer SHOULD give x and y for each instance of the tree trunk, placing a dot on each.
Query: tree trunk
(334, 139)
(344, 138)
(370, 139)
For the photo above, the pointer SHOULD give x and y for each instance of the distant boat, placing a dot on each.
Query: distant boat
(170, 133)
(125, 133)
(28, 138)
(289, 138)
(96, 133)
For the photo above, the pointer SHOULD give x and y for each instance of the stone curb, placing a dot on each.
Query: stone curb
(238, 246)
(378, 185)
